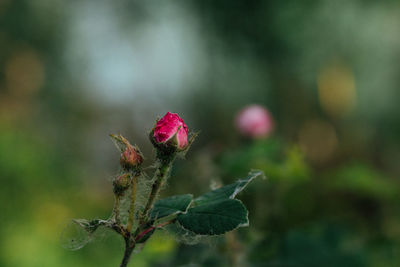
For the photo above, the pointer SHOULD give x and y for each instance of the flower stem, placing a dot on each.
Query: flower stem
(132, 207)
(161, 175)
(116, 209)
(129, 246)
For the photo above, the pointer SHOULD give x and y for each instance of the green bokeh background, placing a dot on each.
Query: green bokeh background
(71, 72)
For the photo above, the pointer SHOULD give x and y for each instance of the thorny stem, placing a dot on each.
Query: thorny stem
(132, 207)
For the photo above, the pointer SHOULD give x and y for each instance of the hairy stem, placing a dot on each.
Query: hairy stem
(161, 175)
(132, 207)
(129, 246)
(116, 209)
(165, 162)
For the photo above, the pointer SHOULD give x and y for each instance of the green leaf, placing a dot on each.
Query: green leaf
(228, 191)
(171, 205)
(217, 212)
(215, 218)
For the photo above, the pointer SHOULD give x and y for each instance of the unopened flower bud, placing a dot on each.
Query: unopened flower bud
(254, 121)
(121, 183)
(130, 158)
(171, 132)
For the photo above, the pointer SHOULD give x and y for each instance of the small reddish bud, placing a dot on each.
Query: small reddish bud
(254, 121)
(121, 183)
(170, 130)
(130, 158)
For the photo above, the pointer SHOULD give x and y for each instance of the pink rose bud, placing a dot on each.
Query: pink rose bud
(171, 130)
(130, 157)
(254, 121)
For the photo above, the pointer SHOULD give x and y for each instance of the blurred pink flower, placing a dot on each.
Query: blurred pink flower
(167, 128)
(254, 121)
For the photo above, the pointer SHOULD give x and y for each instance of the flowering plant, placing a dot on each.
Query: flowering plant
(213, 213)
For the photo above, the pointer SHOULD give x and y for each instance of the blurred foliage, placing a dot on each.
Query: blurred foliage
(71, 72)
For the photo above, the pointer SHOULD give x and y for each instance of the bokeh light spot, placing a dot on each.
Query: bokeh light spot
(24, 73)
(318, 140)
(336, 89)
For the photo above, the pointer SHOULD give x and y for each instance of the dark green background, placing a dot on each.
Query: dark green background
(71, 72)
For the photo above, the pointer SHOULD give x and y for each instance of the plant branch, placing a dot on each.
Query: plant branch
(132, 206)
(116, 209)
(142, 234)
(129, 247)
(161, 175)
